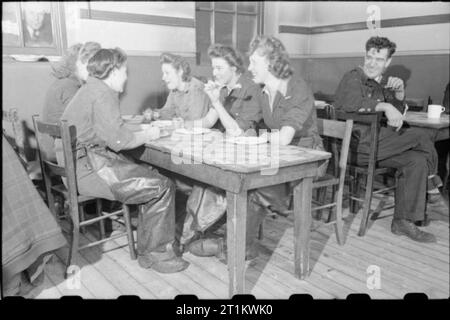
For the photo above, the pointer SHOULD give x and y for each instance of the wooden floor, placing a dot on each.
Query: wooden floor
(404, 266)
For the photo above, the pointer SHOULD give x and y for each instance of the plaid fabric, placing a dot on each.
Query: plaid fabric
(29, 228)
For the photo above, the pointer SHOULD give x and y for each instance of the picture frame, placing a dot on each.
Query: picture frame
(33, 28)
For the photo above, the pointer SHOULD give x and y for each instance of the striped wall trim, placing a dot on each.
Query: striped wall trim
(362, 53)
(387, 23)
(136, 18)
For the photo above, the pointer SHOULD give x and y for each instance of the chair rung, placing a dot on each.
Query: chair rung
(356, 199)
(95, 243)
(104, 216)
(329, 205)
(383, 190)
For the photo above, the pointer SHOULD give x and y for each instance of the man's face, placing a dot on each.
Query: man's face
(34, 18)
(375, 62)
(223, 73)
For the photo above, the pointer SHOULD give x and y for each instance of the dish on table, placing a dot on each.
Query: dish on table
(133, 118)
(162, 123)
(247, 140)
(192, 131)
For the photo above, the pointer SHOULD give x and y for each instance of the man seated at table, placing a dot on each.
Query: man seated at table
(365, 89)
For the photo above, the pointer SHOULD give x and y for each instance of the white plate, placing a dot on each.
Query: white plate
(161, 123)
(26, 57)
(246, 140)
(192, 131)
(133, 118)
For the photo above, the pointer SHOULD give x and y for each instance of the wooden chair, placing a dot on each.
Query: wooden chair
(336, 130)
(74, 199)
(357, 172)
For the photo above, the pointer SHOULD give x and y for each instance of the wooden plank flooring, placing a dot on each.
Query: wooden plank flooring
(337, 271)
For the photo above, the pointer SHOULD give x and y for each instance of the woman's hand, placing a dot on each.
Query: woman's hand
(152, 132)
(212, 89)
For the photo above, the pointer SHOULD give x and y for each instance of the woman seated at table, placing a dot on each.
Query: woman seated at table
(101, 133)
(287, 107)
(186, 98)
(234, 97)
(235, 102)
(70, 73)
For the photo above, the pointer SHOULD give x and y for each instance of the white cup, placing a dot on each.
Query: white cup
(435, 110)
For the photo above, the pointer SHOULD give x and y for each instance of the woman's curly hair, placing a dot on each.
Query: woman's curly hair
(178, 63)
(68, 64)
(276, 54)
(381, 43)
(229, 54)
(104, 61)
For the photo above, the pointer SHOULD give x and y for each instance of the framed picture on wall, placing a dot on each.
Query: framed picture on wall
(33, 28)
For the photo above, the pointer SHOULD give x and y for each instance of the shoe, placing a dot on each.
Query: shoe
(423, 223)
(207, 247)
(407, 228)
(436, 204)
(217, 247)
(166, 262)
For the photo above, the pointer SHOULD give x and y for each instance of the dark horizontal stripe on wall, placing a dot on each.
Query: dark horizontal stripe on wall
(136, 18)
(387, 23)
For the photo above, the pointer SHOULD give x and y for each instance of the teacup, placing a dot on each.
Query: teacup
(435, 110)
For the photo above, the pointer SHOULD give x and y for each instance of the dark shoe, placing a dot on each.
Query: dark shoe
(207, 247)
(162, 262)
(423, 223)
(407, 228)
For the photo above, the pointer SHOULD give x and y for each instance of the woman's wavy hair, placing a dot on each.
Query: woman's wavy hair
(229, 54)
(102, 63)
(68, 64)
(275, 52)
(178, 63)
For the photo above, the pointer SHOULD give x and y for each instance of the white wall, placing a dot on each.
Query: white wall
(134, 38)
(420, 39)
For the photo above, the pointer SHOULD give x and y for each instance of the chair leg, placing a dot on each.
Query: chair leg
(82, 217)
(339, 224)
(321, 194)
(127, 219)
(75, 240)
(99, 209)
(352, 191)
(261, 231)
(366, 209)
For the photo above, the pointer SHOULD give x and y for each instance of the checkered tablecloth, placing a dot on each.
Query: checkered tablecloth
(28, 227)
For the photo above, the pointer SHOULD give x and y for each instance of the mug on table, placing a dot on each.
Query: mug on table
(435, 110)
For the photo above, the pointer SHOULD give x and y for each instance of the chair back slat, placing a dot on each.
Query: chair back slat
(331, 128)
(67, 134)
(55, 169)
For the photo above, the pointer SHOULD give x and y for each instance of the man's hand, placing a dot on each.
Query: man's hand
(397, 85)
(395, 118)
(212, 89)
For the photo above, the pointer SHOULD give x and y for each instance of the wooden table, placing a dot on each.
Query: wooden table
(437, 128)
(238, 169)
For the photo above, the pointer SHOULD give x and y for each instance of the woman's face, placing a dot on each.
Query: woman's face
(81, 70)
(223, 73)
(259, 67)
(119, 78)
(171, 76)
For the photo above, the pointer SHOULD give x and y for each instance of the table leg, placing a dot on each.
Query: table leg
(302, 225)
(236, 225)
